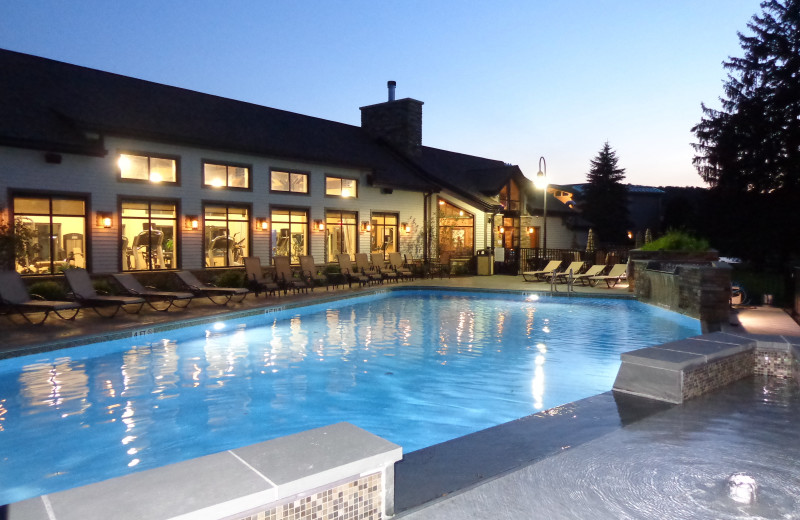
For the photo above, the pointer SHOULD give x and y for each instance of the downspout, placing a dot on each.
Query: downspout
(426, 249)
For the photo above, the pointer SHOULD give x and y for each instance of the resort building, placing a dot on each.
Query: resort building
(114, 173)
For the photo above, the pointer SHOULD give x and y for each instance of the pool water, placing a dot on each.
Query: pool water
(414, 367)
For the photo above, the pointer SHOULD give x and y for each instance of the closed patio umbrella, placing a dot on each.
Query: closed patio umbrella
(590, 241)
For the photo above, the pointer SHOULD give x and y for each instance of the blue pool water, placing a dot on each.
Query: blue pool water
(414, 367)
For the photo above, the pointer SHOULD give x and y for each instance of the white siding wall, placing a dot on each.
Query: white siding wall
(27, 170)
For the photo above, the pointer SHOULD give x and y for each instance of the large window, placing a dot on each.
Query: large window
(342, 233)
(510, 232)
(219, 175)
(384, 233)
(226, 235)
(456, 230)
(509, 197)
(147, 168)
(339, 187)
(54, 233)
(148, 235)
(291, 182)
(290, 233)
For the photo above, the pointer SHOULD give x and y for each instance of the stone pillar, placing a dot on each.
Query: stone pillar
(398, 122)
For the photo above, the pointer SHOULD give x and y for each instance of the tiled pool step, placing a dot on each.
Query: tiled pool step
(317, 472)
(680, 370)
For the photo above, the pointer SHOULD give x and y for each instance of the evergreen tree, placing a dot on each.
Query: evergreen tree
(605, 199)
(753, 143)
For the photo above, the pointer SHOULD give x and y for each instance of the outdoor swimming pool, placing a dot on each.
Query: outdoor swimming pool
(414, 367)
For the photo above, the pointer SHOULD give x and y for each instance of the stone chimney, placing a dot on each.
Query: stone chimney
(398, 122)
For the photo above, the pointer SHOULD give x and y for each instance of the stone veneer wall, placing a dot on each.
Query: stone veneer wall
(356, 500)
(695, 288)
(717, 374)
(398, 122)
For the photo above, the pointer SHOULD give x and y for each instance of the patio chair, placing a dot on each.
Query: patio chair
(170, 298)
(84, 292)
(309, 271)
(396, 263)
(256, 279)
(285, 276)
(350, 272)
(379, 265)
(217, 295)
(14, 297)
(617, 272)
(442, 265)
(538, 276)
(563, 276)
(363, 265)
(594, 270)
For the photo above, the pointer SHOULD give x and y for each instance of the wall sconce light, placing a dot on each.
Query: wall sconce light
(191, 222)
(103, 219)
(319, 225)
(405, 227)
(531, 230)
(441, 202)
(630, 235)
(366, 227)
(262, 224)
(502, 230)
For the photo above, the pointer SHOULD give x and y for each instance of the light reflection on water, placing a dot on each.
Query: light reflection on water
(416, 369)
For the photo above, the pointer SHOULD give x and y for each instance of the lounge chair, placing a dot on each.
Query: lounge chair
(396, 263)
(84, 292)
(563, 276)
(379, 265)
(538, 276)
(217, 295)
(594, 270)
(171, 298)
(363, 265)
(285, 276)
(617, 272)
(14, 297)
(255, 277)
(350, 272)
(309, 271)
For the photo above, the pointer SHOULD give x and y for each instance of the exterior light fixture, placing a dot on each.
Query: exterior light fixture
(262, 224)
(531, 230)
(405, 227)
(366, 227)
(103, 219)
(441, 202)
(191, 222)
(630, 235)
(319, 225)
(502, 230)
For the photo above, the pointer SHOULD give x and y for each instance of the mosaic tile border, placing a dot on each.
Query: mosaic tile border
(359, 499)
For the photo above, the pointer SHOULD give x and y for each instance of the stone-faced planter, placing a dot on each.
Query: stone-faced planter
(689, 282)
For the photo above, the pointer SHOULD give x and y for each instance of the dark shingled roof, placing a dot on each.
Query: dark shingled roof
(55, 106)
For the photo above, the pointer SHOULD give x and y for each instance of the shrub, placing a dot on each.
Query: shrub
(48, 290)
(230, 279)
(677, 241)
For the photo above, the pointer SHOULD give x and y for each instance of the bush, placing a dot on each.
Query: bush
(48, 290)
(230, 279)
(677, 241)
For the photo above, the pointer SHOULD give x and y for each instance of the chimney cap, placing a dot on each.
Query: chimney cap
(391, 83)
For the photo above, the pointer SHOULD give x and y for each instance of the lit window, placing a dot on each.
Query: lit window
(226, 176)
(290, 182)
(147, 168)
(338, 187)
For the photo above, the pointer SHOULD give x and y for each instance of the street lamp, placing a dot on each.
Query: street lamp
(541, 183)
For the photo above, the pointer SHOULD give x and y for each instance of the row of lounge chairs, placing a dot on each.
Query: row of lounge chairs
(592, 276)
(15, 297)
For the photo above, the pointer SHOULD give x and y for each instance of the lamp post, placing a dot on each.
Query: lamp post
(541, 183)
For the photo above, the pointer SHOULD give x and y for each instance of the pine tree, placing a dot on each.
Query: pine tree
(752, 144)
(605, 199)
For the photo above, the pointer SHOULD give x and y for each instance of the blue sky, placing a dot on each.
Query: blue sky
(509, 80)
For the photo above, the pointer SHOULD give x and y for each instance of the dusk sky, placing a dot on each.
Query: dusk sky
(508, 80)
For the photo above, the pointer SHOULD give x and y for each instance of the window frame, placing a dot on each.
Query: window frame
(149, 156)
(228, 206)
(343, 228)
(177, 236)
(227, 166)
(86, 198)
(291, 172)
(339, 178)
(306, 229)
